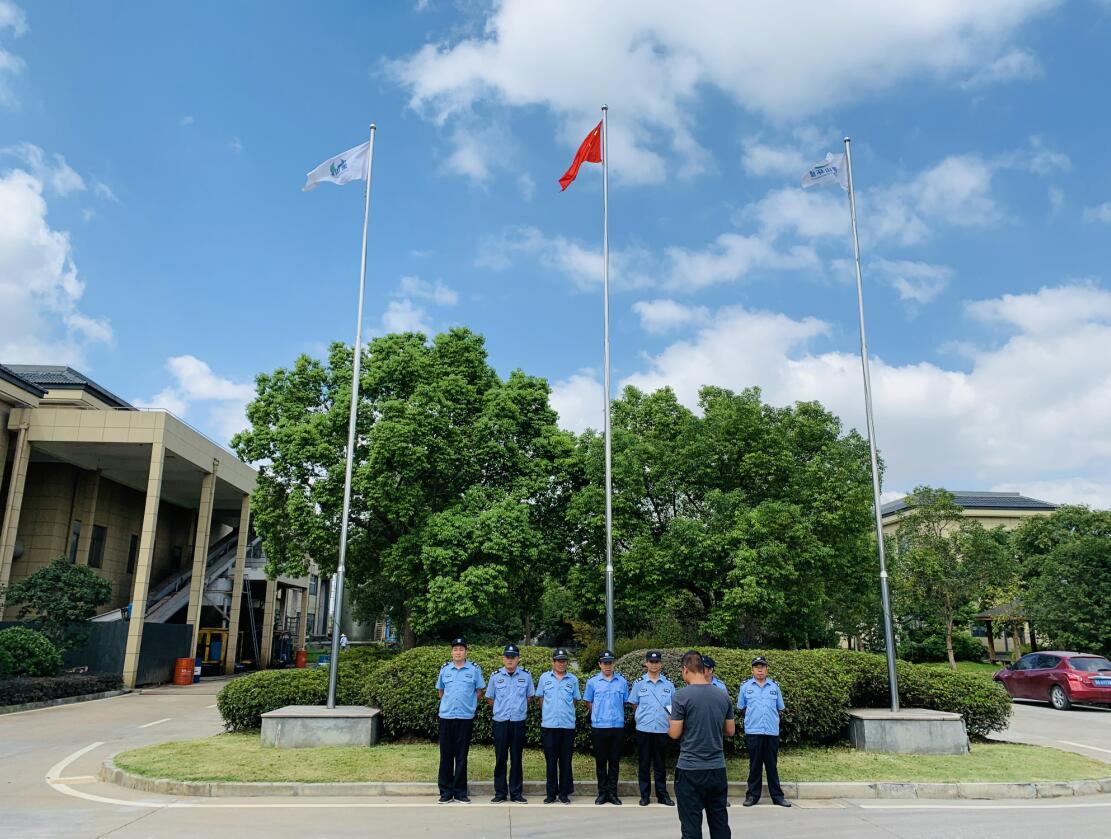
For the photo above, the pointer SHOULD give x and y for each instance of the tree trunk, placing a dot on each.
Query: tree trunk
(528, 629)
(949, 644)
(408, 639)
(1016, 654)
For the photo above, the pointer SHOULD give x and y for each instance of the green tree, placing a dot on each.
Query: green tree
(946, 564)
(60, 597)
(1066, 562)
(459, 489)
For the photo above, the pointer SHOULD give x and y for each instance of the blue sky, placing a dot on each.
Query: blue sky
(153, 232)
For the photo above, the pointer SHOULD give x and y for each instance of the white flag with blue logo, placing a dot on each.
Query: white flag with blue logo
(341, 169)
(831, 170)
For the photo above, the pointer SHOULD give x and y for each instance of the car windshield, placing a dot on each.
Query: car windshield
(1092, 664)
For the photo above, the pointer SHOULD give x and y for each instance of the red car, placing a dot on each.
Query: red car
(1059, 678)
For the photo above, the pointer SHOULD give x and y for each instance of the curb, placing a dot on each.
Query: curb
(65, 700)
(112, 774)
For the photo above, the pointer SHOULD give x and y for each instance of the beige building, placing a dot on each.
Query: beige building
(150, 503)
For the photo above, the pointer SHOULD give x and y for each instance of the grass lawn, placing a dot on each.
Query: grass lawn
(241, 757)
(974, 668)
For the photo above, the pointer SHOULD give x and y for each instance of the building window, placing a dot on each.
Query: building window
(132, 553)
(96, 546)
(312, 583)
(73, 540)
(310, 622)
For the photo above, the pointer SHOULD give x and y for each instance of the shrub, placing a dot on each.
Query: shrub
(61, 597)
(928, 644)
(21, 691)
(588, 655)
(25, 652)
(243, 701)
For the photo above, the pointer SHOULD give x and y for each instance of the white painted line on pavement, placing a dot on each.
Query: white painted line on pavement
(156, 722)
(209, 706)
(55, 771)
(984, 806)
(1085, 746)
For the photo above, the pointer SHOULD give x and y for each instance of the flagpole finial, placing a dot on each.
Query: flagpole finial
(373, 127)
(605, 107)
(848, 139)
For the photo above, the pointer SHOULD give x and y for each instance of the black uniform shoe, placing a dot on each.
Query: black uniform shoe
(644, 801)
(551, 799)
(602, 798)
(782, 802)
(665, 799)
(613, 799)
(463, 798)
(445, 799)
(519, 799)
(749, 802)
(563, 799)
(497, 799)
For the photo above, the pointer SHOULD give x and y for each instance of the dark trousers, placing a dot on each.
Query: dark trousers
(607, 757)
(652, 751)
(697, 790)
(558, 746)
(455, 742)
(763, 753)
(509, 743)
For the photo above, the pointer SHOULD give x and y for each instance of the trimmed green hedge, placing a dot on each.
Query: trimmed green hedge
(25, 652)
(46, 688)
(819, 686)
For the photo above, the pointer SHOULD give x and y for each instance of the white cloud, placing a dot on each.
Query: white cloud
(1014, 65)
(578, 400)
(916, 282)
(1057, 200)
(731, 257)
(1101, 212)
(664, 315)
(436, 291)
(1042, 160)
(186, 120)
(405, 316)
(104, 191)
(39, 285)
(55, 173)
(235, 145)
(526, 185)
(195, 389)
(654, 61)
(13, 19)
(1032, 409)
(1096, 494)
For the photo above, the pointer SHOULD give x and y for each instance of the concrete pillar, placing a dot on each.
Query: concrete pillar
(200, 551)
(302, 620)
(14, 505)
(267, 628)
(237, 585)
(145, 560)
(88, 513)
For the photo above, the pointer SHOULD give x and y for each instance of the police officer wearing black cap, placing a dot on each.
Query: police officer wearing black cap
(459, 685)
(557, 691)
(651, 695)
(761, 699)
(508, 694)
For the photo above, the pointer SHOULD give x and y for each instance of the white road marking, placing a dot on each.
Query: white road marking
(74, 779)
(985, 806)
(59, 707)
(1085, 746)
(209, 706)
(156, 722)
(55, 771)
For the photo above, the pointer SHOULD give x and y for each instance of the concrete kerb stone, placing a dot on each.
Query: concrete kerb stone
(811, 790)
(65, 700)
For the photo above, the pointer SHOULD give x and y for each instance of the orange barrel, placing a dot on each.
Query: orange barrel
(301, 658)
(183, 671)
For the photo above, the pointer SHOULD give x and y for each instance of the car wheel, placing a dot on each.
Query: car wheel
(1059, 699)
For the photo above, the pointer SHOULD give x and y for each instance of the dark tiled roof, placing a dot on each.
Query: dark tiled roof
(9, 375)
(50, 376)
(982, 501)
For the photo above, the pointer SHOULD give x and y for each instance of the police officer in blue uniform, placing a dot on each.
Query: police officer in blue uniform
(710, 665)
(651, 695)
(606, 693)
(459, 685)
(761, 699)
(509, 691)
(557, 691)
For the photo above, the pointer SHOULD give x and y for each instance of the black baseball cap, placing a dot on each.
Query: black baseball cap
(653, 655)
(759, 660)
(511, 650)
(459, 642)
(607, 655)
(560, 655)
(709, 662)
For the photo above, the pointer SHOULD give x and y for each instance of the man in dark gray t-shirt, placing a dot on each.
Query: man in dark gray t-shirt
(701, 714)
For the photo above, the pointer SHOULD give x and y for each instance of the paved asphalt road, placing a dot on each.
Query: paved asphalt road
(68, 744)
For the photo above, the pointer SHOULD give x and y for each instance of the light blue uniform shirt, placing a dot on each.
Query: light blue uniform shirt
(761, 706)
(459, 684)
(718, 683)
(653, 703)
(559, 697)
(510, 692)
(608, 697)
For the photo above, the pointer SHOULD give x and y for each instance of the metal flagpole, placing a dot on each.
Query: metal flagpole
(885, 596)
(338, 586)
(606, 332)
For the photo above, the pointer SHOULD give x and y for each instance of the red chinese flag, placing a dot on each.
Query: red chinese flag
(589, 152)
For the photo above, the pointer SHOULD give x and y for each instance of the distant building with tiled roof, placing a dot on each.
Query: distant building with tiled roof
(991, 509)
